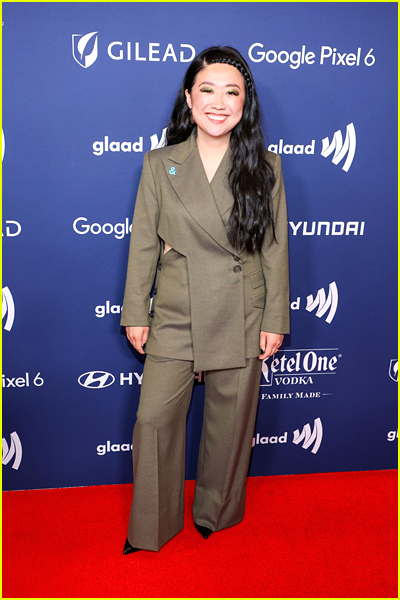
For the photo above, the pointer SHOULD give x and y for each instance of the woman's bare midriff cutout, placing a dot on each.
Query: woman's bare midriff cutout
(167, 247)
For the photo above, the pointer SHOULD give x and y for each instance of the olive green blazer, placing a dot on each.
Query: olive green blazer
(210, 301)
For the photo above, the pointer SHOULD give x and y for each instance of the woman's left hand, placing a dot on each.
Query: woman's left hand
(269, 343)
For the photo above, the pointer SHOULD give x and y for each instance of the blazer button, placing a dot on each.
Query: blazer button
(236, 257)
(237, 269)
(151, 314)
(159, 266)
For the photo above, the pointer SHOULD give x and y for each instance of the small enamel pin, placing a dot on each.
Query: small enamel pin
(172, 171)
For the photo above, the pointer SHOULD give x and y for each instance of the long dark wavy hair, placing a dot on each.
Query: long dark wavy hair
(251, 177)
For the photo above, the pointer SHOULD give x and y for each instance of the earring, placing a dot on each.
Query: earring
(191, 116)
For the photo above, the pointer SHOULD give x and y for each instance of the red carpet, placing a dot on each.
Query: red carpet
(303, 536)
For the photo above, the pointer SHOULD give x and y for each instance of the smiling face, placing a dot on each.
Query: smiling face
(217, 99)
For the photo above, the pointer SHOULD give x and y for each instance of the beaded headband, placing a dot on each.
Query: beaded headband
(239, 67)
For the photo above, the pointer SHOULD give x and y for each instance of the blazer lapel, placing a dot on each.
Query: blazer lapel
(220, 185)
(186, 174)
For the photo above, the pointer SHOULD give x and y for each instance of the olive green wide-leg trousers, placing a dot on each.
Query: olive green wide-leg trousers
(159, 438)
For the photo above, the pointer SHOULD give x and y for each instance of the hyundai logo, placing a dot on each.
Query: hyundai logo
(96, 379)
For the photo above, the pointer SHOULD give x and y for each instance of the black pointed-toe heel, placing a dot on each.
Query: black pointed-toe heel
(128, 548)
(203, 531)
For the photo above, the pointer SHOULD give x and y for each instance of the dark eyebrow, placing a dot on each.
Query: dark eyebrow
(227, 85)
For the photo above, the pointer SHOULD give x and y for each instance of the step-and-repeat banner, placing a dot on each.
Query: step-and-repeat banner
(87, 90)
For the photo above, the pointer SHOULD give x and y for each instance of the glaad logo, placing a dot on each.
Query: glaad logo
(154, 140)
(306, 435)
(321, 301)
(96, 379)
(103, 448)
(85, 48)
(324, 303)
(101, 146)
(105, 309)
(341, 148)
(8, 309)
(273, 439)
(15, 449)
(309, 437)
(291, 148)
(393, 369)
(337, 146)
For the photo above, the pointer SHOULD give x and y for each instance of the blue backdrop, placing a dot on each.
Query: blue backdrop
(88, 89)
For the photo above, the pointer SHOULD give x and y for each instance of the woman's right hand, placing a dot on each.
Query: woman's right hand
(137, 337)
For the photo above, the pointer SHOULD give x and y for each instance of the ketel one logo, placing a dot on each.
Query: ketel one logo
(297, 367)
(15, 450)
(323, 303)
(8, 309)
(308, 437)
(339, 148)
(85, 48)
(96, 379)
(393, 369)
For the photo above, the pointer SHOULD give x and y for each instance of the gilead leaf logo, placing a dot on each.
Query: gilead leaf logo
(85, 48)
(394, 369)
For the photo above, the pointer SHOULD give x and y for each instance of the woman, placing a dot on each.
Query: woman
(210, 221)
